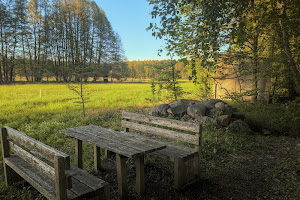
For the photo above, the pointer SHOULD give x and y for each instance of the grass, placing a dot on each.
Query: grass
(41, 116)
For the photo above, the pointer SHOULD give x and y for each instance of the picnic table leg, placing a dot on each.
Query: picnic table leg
(97, 158)
(108, 154)
(78, 153)
(178, 173)
(140, 174)
(122, 176)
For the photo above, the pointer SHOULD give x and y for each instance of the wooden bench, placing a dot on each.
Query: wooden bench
(186, 160)
(46, 169)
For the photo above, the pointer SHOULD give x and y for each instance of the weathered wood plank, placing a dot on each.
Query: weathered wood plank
(178, 173)
(97, 158)
(78, 153)
(9, 174)
(32, 176)
(87, 179)
(4, 143)
(122, 176)
(192, 139)
(140, 175)
(185, 150)
(81, 190)
(60, 178)
(33, 160)
(106, 144)
(30, 143)
(116, 137)
(186, 126)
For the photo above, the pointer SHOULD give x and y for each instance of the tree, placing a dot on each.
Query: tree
(203, 30)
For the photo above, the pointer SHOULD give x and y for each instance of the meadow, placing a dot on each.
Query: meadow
(40, 110)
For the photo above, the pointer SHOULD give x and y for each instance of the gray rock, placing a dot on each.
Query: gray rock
(228, 110)
(241, 126)
(179, 110)
(214, 101)
(183, 102)
(224, 120)
(204, 120)
(213, 113)
(186, 118)
(207, 104)
(160, 110)
(196, 110)
(220, 106)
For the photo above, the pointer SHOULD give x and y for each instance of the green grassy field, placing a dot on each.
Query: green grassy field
(23, 104)
(40, 110)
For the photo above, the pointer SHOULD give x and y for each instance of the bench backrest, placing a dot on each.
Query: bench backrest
(44, 158)
(131, 121)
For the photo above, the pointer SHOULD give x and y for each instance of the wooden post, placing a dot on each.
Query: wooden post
(97, 158)
(67, 167)
(122, 176)
(178, 173)
(5, 152)
(140, 174)
(78, 153)
(108, 154)
(198, 148)
(60, 178)
(4, 143)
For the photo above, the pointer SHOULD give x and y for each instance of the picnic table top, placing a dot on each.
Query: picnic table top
(121, 143)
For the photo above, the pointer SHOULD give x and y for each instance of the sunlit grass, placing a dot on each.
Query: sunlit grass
(21, 104)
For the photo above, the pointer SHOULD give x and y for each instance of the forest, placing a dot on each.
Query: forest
(61, 39)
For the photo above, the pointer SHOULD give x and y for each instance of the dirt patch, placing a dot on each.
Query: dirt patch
(242, 175)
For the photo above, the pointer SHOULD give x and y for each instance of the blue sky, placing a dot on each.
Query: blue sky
(130, 18)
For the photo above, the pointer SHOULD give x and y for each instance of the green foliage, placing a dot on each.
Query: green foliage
(262, 32)
(287, 178)
(82, 94)
(280, 119)
(167, 79)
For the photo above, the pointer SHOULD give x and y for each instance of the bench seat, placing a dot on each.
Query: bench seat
(84, 185)
(186, 160)
(172, 151)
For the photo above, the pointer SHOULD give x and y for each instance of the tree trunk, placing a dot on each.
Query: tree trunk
(293, 76)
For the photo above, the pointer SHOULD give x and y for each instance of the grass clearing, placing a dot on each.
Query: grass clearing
(234, 165)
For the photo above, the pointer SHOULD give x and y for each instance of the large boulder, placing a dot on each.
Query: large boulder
(214, 101)
(220, 106)
(183, 102)
(204, 120)
(224, 120)
(228, 109)
(213, 113)
(241, 126)
(178, 110)
(196, 110)
(207, 104)
(160, 110)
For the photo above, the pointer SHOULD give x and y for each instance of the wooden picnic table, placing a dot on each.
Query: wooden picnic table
(124, 145)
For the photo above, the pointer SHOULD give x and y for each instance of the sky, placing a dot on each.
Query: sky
(130, 18)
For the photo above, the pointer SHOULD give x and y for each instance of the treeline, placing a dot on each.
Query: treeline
(265, 34)
(65, 39)
(149, 69)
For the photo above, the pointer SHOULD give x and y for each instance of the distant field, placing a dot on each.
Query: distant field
(21, 104)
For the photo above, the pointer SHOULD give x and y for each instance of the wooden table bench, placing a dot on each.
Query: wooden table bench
(124, 147)
(186, 160)
(46, 169)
